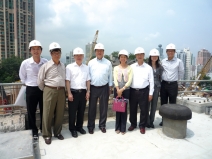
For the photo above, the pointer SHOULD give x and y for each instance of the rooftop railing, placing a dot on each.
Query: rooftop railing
(9, 91)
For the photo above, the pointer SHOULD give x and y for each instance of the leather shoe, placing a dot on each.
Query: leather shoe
(90, 131)
(103, 130)
(131, 128)
(35, 135)
(82, 131)
(161, 123)
(74, 133)
(60, 137)
(152, 126)
(142, 130)
(148, 126)
(48, 140)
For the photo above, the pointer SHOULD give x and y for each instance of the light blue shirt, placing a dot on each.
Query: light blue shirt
(100, 72)
(173, 69)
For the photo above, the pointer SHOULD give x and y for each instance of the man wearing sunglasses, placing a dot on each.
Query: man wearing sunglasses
(51, 79)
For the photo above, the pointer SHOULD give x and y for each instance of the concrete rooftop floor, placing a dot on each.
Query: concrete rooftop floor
(133, 145)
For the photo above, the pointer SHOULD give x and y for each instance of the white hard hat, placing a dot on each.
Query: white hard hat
(99, 46)
(123, 52)
(34, 43)
(139, 50)
(171, 46)
(154, 52)
(78, 51)
(53, 46)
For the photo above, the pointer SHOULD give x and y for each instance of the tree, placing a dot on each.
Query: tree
(131, 56)
(115, 54)
(202, 84)
(107, 57)
(9, 69)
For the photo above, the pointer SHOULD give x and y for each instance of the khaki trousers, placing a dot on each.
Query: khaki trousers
(53, 111)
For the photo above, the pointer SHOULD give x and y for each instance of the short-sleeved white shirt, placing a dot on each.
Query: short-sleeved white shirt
(77, 75)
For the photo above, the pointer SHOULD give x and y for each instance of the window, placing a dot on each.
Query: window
(1, 3)
(11, 16)
(11, 4)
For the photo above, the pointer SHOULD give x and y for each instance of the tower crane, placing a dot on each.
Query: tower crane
(206, 68)
(92, 52)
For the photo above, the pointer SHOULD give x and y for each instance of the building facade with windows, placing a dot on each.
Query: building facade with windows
(203, 56)
(17, 27)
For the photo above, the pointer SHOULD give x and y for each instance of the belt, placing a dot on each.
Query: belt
(31, 86)
(99, 86)
(58, 88)
(77, 90)
(139, 89)
(169, 82)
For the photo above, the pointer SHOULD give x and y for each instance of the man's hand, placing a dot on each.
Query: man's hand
(150, 98)
(110, 90)
(87, 96)
(70, 97)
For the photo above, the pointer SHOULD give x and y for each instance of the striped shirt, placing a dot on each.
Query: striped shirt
(51, 74)
(28, 72)
(173, 69)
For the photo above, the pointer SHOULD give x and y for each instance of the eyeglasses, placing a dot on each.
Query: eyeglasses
(56, 52)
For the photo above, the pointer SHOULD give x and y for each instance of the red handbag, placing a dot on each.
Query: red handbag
(119, 105)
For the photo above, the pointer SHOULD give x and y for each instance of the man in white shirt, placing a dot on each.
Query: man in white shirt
(173, 71)
(78, 88)
(141, 90)
(101, 84)
(28, 74)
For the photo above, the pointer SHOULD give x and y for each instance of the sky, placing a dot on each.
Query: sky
(124, 24)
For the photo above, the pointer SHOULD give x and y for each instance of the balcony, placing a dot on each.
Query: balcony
(154, 144)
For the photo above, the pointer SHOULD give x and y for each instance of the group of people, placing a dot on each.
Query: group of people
(46, 82)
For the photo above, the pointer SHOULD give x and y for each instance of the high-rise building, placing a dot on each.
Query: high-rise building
(203, 57)
(182, 55)
(160, 49)
(187, 58)
(188, 65)
(69, 58)
(17, 27)
(68, 61)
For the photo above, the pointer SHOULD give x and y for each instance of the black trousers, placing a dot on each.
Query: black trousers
(153, 106)
(121, 118)
(34, 96)
(103, 94)
(77, 109)
(168, 92)
(141, 98)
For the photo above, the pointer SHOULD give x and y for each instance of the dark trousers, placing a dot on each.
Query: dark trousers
(121, 118)
(153, 106)
(168, 92)
(103, 94)
(139, 97)
(77, 109)
(34, 96)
